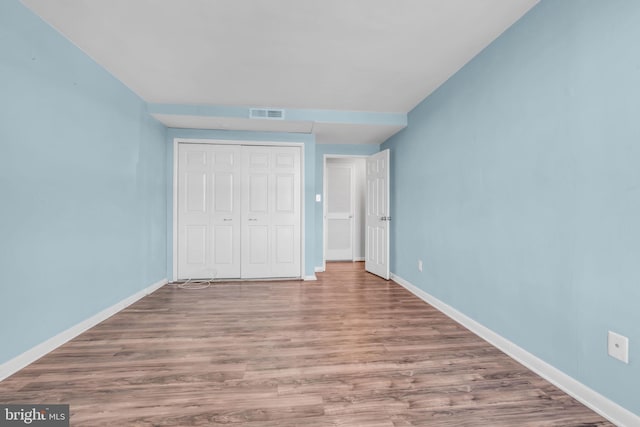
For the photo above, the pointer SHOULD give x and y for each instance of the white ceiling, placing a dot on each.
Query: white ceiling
(348, 55)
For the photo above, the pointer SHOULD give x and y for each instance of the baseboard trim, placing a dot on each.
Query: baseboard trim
(311, 277)
(319, 269)
(615, 413)
(19, 362)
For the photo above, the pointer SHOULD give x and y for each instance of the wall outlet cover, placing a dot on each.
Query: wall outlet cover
(618, 346)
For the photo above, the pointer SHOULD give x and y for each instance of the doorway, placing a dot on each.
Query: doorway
(344, 208)
(357, 210)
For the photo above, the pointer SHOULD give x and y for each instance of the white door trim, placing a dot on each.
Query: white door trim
(177, 141)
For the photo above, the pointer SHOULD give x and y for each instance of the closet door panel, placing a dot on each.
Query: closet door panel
(208, 211)
(284, 244)
(286, 214)
(196, 244)
(271, 242)
(223, 237)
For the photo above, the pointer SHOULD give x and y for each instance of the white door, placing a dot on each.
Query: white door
(271, 214)
(339, 212)
(377, 215)
(208, 211)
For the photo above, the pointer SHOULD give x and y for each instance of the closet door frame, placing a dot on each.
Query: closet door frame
(177, 141)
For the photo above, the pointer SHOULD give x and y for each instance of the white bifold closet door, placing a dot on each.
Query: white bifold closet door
(239, 211)
(271, 203)
(209, 188)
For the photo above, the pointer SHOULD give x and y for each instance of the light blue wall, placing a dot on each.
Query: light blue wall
(82, 186)
(321, 151)
(309, 176)
(518, 184)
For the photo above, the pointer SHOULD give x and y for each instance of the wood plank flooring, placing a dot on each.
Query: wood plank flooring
(348, 350)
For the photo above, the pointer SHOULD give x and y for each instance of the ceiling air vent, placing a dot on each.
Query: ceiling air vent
(266, 113)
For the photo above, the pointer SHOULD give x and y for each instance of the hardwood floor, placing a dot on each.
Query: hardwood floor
(348, 350)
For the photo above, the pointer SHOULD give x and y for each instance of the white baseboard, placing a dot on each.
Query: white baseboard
(311, 277)
(319, 269)
(14, 365)
(358, 259)
(595, 401)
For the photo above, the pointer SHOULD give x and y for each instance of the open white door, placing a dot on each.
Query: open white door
(377, 215)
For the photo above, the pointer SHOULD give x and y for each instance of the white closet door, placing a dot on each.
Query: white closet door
(209, 211)
(271, 215)
(339, 212)
(377, 215)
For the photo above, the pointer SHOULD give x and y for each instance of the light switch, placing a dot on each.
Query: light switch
(318, 197)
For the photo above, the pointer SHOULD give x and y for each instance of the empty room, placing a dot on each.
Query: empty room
(320, 213)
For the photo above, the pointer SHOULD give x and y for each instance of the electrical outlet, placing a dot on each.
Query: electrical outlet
(618, 346)
(419, 265)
